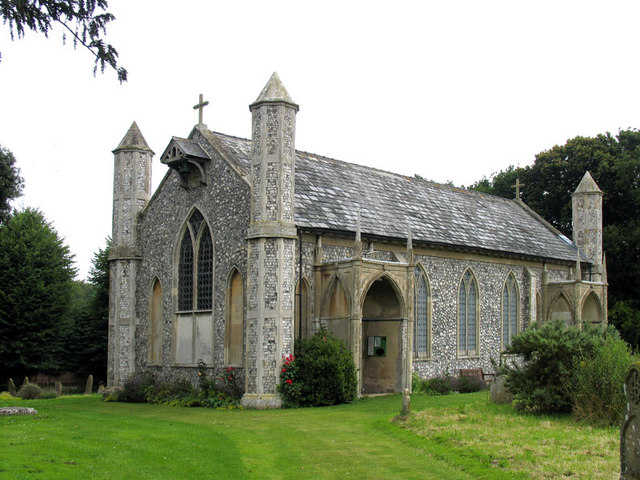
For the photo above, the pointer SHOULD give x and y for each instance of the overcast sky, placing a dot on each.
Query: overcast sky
(449, 90)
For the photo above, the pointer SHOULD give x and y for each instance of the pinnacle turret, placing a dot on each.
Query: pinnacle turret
(133, 140)
(274, 91)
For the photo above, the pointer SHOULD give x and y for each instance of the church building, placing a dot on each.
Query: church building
(248, 245)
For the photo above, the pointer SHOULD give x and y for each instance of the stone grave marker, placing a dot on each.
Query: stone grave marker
(630, 430)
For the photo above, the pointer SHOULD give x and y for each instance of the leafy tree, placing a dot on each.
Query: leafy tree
(87, 343)
(614, 163)
(10, 182)
(35, 290)
(85, 20)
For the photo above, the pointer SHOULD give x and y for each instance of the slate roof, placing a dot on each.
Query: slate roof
(329, 193)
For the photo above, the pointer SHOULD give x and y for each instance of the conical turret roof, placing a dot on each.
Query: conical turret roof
(274, 91)
(133, 140)
(587, 185)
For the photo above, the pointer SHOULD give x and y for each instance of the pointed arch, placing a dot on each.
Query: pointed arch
(155, 323)
(302, 327)
(195, 264)
(336, 309)
(378, 303)
(234, 332)
(468, 315)
(591, 309)
(561, 309)
(422, 314)
(510, 309)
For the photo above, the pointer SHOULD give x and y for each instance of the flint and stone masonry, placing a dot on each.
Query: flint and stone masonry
(271, 244)
(280, 242)
(131, 192)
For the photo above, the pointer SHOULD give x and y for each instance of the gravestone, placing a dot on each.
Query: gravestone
(498, 391)
(630, 431)
(6, 411)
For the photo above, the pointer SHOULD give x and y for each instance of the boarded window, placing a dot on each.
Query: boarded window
(235, 317)
(155, 324)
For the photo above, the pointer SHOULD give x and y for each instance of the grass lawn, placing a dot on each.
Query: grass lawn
(452, 437)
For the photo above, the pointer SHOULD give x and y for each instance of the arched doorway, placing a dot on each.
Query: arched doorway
(382, 339)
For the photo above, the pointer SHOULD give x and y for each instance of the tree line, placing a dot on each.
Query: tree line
(49, 321)
(614, 163)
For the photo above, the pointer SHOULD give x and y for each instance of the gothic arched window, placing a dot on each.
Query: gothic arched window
(421, 338)
(195, 265)
(468, 316)
(510, 310)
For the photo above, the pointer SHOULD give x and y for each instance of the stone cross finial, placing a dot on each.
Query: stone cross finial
(518, 185)
(200, 106)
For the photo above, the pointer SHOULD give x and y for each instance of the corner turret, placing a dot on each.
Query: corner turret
(587, 222)
(131, 193)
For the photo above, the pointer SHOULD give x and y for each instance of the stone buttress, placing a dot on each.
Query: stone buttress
(131, 193)
(271, 244)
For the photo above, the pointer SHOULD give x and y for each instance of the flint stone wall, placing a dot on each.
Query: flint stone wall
(224, 203)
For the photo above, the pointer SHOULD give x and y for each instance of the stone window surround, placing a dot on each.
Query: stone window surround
(471, 353)
(419, 273)
(509, 276)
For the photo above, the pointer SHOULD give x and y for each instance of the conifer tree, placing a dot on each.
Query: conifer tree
(36, 274)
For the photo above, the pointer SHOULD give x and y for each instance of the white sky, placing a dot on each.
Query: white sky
(450, 90)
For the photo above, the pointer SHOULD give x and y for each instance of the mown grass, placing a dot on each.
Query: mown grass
(452, 437)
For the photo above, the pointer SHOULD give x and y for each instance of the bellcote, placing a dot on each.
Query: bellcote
(187, 158)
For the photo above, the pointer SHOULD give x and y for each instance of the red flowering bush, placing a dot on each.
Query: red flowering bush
(289, 387)
(321, 373)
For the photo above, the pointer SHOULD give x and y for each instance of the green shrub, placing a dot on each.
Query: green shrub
(166, 393)
(29, 391)
(229, 384)
(596, 383)
(547, 353)
(321, 373)
(136, 387)
(437, 386)
(469, 384)
(48, 393)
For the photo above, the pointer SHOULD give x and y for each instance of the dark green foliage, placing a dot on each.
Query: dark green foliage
(85, 20)
(469, 384)
(35, 290)
(29, 391)
(437, 386)
(614, 163)
(144, 387)
(10, 182)
(137, 387)
(548, 352)
(596, 384)
(48, 393)
(322, 373)
(87, 342)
